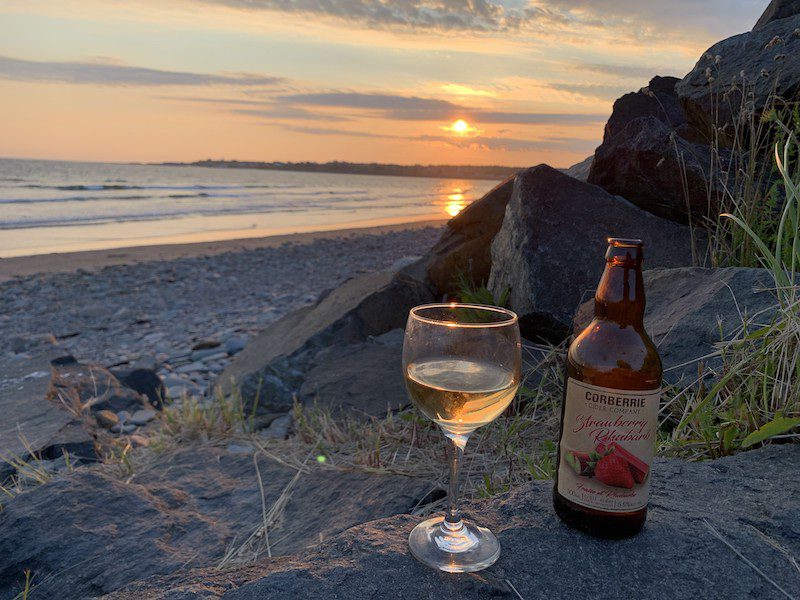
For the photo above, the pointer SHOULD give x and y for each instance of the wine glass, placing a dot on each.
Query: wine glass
(462, 369)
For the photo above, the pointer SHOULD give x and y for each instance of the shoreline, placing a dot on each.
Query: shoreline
(94, 260)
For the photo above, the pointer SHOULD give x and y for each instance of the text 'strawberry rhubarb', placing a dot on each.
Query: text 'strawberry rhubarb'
(609, 416)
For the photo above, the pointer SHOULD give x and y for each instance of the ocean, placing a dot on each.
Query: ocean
(50, 206)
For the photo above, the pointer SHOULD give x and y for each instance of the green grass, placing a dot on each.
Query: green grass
(756, 396)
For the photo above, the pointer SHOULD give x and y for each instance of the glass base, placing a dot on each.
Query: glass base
(455, 548)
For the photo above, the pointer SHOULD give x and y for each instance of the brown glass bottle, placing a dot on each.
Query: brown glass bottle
(609, 415)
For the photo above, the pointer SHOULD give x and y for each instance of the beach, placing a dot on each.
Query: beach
(186, 309)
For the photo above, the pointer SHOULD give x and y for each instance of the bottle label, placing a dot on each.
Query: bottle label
(607, 446)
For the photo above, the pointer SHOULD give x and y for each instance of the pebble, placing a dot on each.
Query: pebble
(170, 308)
(106, 419)
(120, 428)
(139, 441)
(279, 428)
(142, 417)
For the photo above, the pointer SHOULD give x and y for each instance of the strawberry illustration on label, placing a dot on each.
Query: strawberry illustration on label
(614, 471)
(639, 468)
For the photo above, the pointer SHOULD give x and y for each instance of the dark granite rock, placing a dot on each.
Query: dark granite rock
(769, 59)
(691, 309)
(363, 379)
(365, 306)
(85, 386)
(88, 533)
(646, 162)
(549, 251)
(778, 9)
(581, 170)
(465, 246)
(143, 381)
(658, 100)
(742, 498)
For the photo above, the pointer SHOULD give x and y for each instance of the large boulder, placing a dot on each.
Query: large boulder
(581, 169)
(270, 370)
(778, 9)
(658, 99)
(701, 515)
(465, 246)
(89, 533)
(646, 162)
(549, 251)
(690, 310)
(760, 63)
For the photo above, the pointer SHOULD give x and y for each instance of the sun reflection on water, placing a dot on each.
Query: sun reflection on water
(455, 202)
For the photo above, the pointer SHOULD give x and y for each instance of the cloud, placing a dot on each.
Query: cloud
(280, 113)
(446, 15)
(643, 73)
(508, 144)
(414, 108)
(591, 90)
(111, 73)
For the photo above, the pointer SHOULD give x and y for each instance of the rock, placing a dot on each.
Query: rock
(84, 386)
(677, 555)
(691, 309)
(778, 9)
(647, 163)
(464, 247)
(208, 354)
(271, 368)
(580, 170)
(142, 417)
(122, 428)
(549, 251)
(239, 449)
(234, 345)
(279, 428)
(18, 345)
(206, 345)
(768, 58)
(106, 419)
(364, 380)
(186, 512)
(139, 441)
(144, 381)
(194, 367)
(31, 420)
(658, 100)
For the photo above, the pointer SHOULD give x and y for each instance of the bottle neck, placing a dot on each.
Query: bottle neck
(620, 294)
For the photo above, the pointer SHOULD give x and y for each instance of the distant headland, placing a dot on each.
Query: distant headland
(437, 171)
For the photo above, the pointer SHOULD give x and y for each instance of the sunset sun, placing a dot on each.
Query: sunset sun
(460, 126)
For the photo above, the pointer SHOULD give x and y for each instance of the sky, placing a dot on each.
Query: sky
(526, 81)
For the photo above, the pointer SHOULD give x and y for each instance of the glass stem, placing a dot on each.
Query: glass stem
(452, 518)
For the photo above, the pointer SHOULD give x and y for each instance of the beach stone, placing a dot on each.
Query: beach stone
(206, 345)
(139, 441)
(271, 367)
(33, 418)
(122, 428)
(279, 428)
(234, 345)
(142, 417)
(678, 554)
(647, 163)
(83, 386)
(769, 59)
(549, 252)
(194, 367)
(464, 247)
(144, 380)
(689, 310)
(778, 9)
(178, 514)
(106, 419)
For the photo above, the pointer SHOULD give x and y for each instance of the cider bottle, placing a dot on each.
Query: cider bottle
(609, 414)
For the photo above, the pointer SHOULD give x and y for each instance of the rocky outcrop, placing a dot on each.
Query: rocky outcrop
(90, 533)
(649, 155)
(680, 553)
(778, 9)
(647, 163)
(549, 251)
(759, 64)
(270, 370)
(690, 310)
(465, 246)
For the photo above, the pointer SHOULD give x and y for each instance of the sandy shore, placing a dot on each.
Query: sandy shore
(93, 260)
(159, 305)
